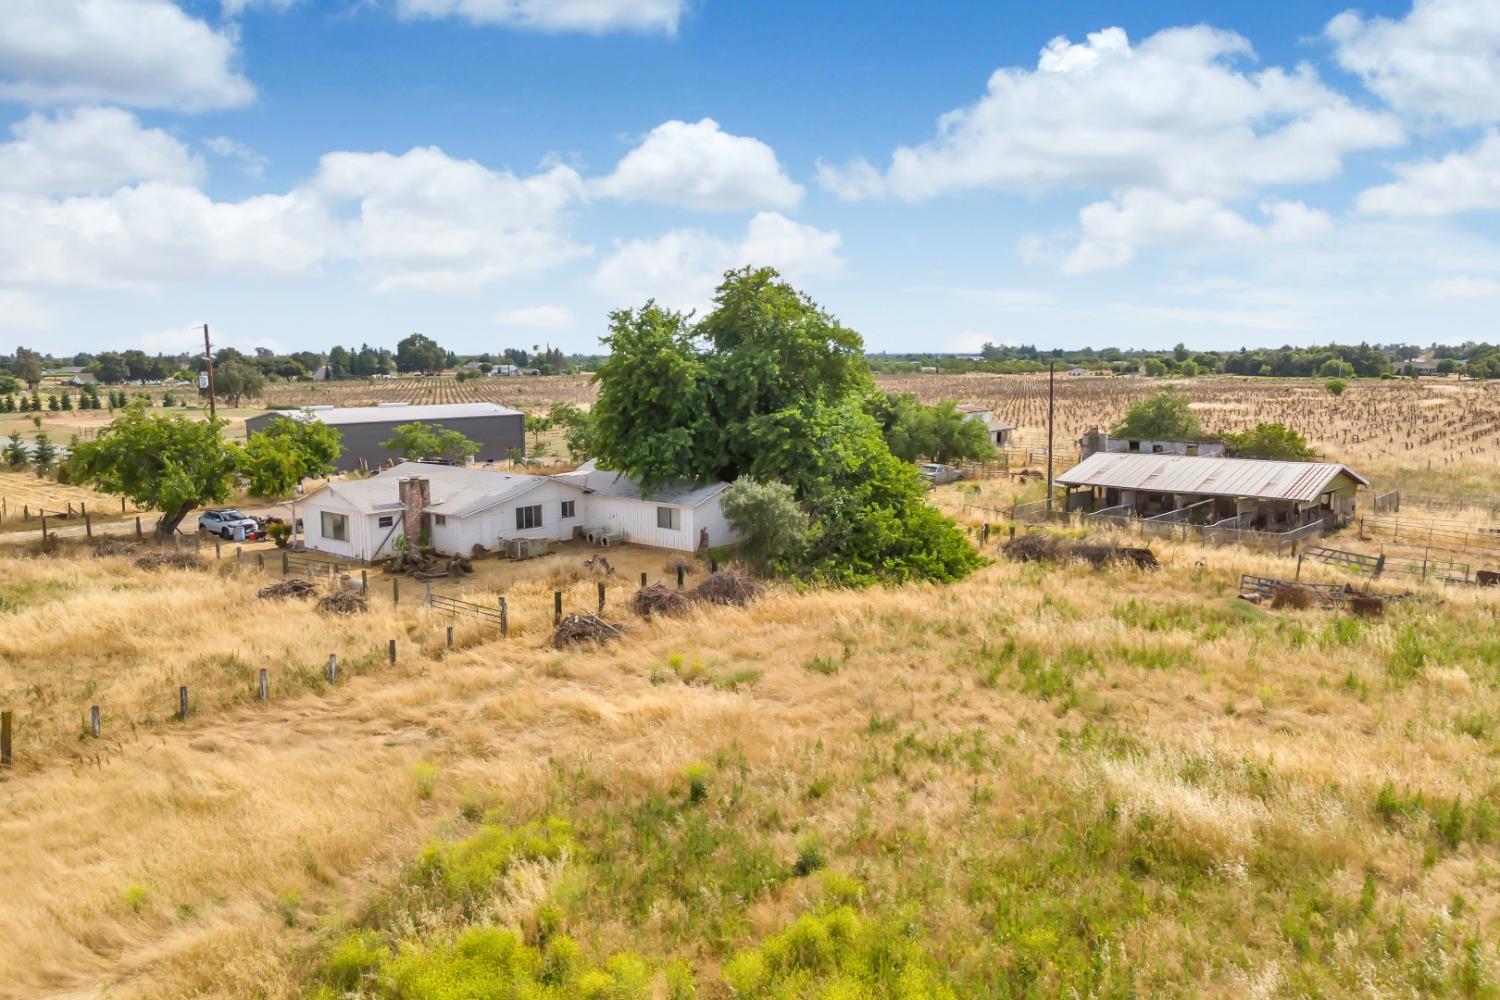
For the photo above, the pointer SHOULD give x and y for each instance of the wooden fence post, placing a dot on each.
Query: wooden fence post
(263, 685)
(333, 668)
(364, 583)
(285, 562)
(260, 561)
(713, 565)
(504, 618)
(395, 590)
(88, 525)
(138, 527)
(122, 505)
(680, 575)
(450, 636)
(643, 579)
(392, 649)
(556, 607)
(427, 592)
(94, 720)
(182, 703)
(601, 596)
(218, 553)
(44, 525)
(5, 721)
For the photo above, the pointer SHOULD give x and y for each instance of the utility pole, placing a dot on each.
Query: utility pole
(208, 359)
(1051, 399)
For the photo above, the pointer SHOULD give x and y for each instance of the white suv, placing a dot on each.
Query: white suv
(222, 521)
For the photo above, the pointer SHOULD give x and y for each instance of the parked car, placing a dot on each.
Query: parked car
(223, 521)
(937, 474)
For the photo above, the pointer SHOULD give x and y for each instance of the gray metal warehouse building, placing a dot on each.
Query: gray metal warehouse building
(498, 429)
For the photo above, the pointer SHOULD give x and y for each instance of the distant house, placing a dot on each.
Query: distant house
(1266, 496)
(1416, 366)
(499, 430)
(84, 378)
(999, 431)
(456, 508)
(1075, 370)
(1097, 440)
(323, 373)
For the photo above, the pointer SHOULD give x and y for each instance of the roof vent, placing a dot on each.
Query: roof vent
(384, 405)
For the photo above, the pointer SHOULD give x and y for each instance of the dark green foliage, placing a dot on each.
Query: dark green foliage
(938, 433)
(418, 441)
(1276, 442)
(287, 451)
(1164, 416)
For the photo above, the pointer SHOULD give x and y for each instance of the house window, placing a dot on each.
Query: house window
(386, 520)
(568, 509)
(441, 520)
(669, 518)
(528, 517)
(335, 526)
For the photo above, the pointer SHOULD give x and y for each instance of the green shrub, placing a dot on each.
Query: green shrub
(466, 871)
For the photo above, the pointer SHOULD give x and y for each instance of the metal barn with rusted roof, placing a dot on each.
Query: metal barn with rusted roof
(1265, 496)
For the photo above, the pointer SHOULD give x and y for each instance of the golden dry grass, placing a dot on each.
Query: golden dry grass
(1037, 763)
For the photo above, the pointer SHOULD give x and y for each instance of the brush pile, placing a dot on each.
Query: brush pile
(1037, 547)
(283, 589)
(168, 560)
(428, 565)
(1365, 605)
(580, 627)
(1291, 595)
(728, 587)
(659, 599)
(115, 547)
(344, 602)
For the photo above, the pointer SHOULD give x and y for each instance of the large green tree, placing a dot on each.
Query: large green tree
(172, 464)
(1277, 442)
(937, 433)
(418, 353)
(1164, 416)
(417, 441)
(286, 452)
(771, 387)
(238, 379)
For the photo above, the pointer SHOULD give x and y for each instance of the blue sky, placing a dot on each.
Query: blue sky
(503, 172)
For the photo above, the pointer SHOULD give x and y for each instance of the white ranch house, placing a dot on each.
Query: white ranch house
(459, 507)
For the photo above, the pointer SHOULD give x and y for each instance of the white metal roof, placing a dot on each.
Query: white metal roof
(592, 479)
(399, 412)
(455, 490)
(1200, 476)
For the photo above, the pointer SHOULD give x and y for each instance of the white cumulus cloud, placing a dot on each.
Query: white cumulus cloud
(90, 150)
(682, 267)
(426, 221)
(1464, 288)
(698, 165)
(1176, 112)
(251, 163)
(1463, 181)
(1440, 61)
(1114, 231)
(141, 53)
(596, 16)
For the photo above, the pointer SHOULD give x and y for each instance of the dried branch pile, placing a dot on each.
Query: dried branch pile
(580, 627)
(283, 589)
(428, 565)
(1038, 547)
(1365, 605)
(728, 587)
(168, 560)
(659, 599)
(1291, 595)
(344, 602)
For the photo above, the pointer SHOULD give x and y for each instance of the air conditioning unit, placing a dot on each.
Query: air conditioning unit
(525, 548)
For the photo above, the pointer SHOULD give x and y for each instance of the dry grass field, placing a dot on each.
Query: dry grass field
(1046, 780)
(531, 393)
(25, 494)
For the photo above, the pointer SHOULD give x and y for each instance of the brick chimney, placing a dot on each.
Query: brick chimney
(416, 494)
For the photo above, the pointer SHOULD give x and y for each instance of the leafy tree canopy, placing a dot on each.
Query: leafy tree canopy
(771, 387)
(1276, 442)
(418, 441)
(417, 353)
(287, 451)
(937, 433)
(1164, 416)
(169, 463)
(773, 528)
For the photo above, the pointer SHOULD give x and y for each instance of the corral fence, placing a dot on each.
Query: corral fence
(1433, 533)
(1175, 524)
(1388, 502)
(1266, 586)
(311, 568)
(488, 617)
(1373, 566)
